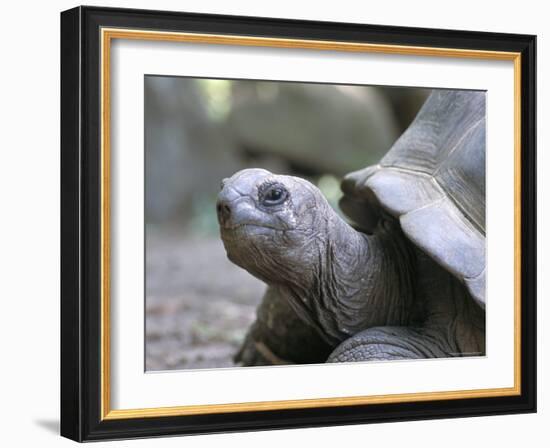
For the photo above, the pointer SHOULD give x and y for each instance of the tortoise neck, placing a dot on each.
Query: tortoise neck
(391, 266)
(360, 281)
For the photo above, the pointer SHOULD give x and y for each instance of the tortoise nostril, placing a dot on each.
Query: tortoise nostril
(224, 211)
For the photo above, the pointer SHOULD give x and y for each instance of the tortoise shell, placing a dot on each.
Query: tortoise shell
(432, 181)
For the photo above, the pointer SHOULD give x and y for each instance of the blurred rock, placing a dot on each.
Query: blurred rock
(185, 151)
(198, 131)
(405, 103)
(317, 128)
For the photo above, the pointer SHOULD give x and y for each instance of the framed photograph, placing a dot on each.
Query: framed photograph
(275, 224)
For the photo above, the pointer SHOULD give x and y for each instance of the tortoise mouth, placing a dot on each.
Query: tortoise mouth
(243, 231)
(244, 225)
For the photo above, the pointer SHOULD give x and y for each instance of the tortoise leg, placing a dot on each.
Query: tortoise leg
(392, 343)
(279, 336)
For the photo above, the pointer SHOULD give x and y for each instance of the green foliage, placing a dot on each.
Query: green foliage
(217, 95)
(204, 221)
(330, 187)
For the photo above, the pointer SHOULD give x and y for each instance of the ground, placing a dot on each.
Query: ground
(198, 304)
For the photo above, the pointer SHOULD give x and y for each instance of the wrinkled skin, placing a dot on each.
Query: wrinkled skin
(332, 288)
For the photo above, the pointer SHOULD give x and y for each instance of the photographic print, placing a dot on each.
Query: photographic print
(306, 223)
(282, 224)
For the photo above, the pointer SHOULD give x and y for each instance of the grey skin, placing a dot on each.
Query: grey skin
(409, 283)
(364, 297)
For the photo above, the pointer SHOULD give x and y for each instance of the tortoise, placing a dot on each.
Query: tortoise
(404, 280)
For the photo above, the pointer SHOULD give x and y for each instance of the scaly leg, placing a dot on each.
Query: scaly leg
(392, 343)
(279, 336)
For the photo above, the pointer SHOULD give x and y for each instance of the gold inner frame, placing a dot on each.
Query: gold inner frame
(107, 35)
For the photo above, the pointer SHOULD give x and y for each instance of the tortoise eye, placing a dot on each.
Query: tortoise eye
(274, 195)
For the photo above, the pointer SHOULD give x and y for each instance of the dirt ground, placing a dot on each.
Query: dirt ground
(198, 304)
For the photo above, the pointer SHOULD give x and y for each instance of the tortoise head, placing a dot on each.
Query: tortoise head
(271, 224)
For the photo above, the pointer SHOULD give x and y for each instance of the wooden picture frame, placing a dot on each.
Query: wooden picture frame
(86, 36)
